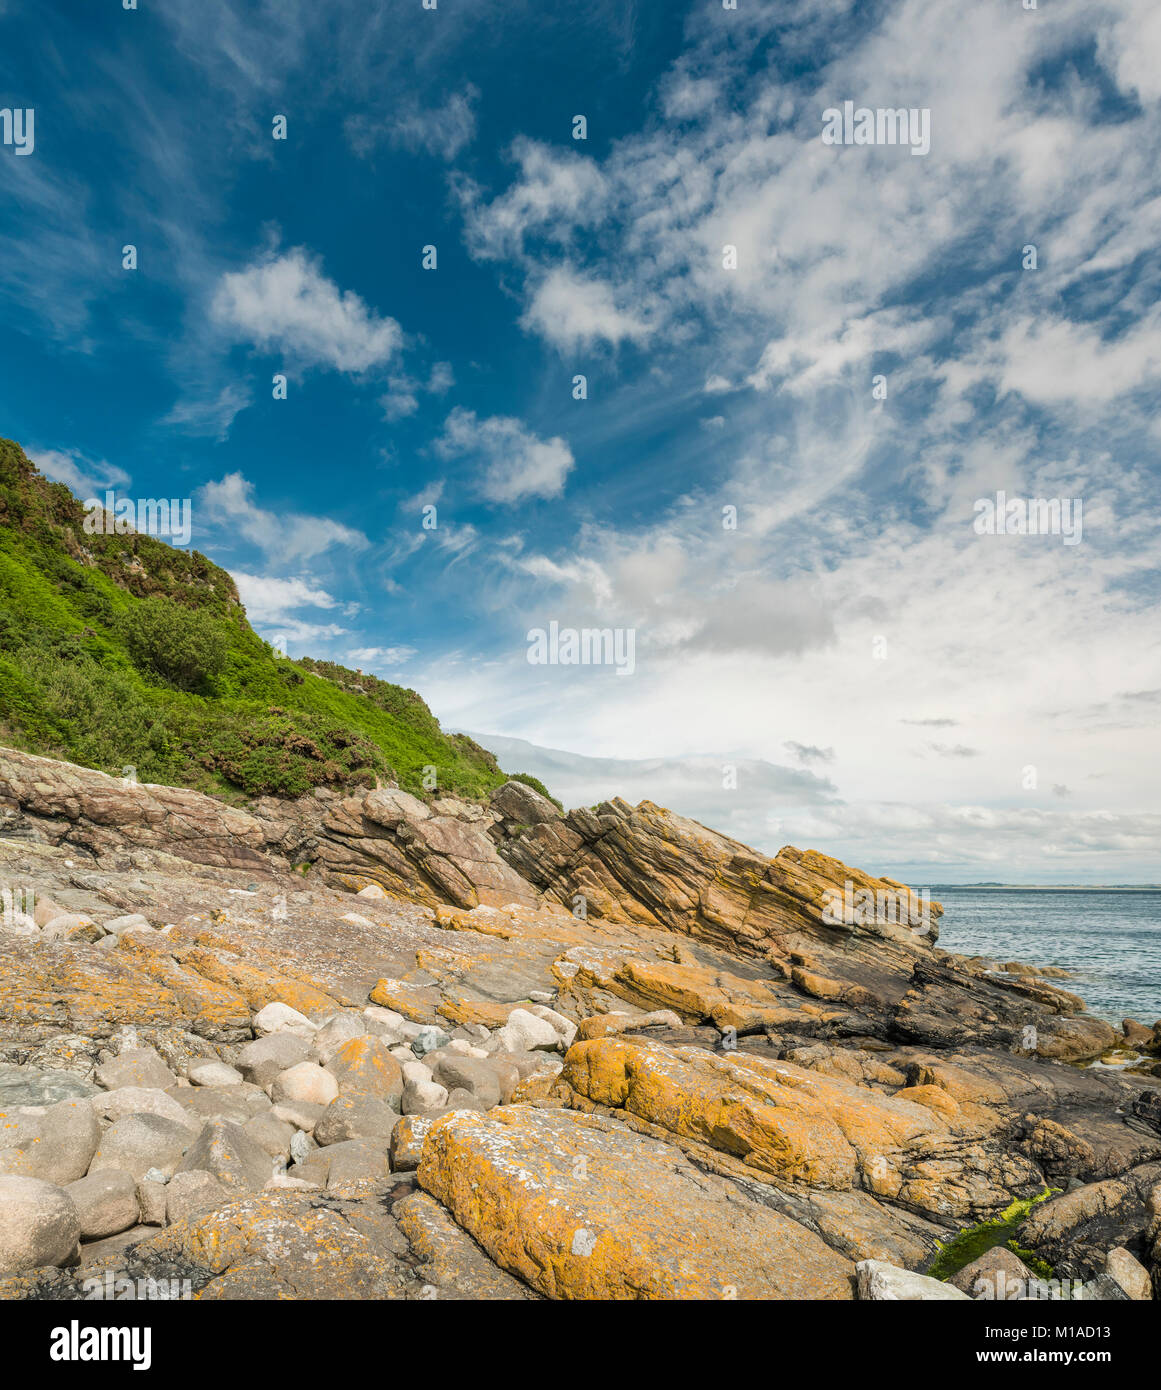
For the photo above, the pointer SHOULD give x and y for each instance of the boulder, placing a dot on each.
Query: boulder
(281, 1018)
(564, 1028)
(271, 1134)
(193, 1192)
(468, 1074)
(39, 1225)
(1132, 1276)
(151, 1201)
(106, 1203)
(214, 1074)
(352, 1164)
(141, 1100)
(237, 1103)
(55, 1144)
(993, 1275)
(138, 1143)
(338, 1029)
(262, 1060)
(140, 1066)
(356, 1118)
(305, 1082)
(364, 1068)
(525, 1032)
(301, 1114)
(880, 1282)
(407, 1142)
(421, 1097)
(130, 921)
(427, 1039)
(231, 1155)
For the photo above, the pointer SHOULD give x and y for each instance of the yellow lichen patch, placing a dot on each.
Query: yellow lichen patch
(213, 1007)
(279, 1245)
(816, 985)
(365, 1067)
(439, 962)
(741, 1016)
(582, 1208)
(485, 1011)
(258, 987)
(493, 924)
(402, 997)
(780, 1119)
(78, 990)
(934, 1097)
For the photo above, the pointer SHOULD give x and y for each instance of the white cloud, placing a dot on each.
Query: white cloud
(554, 192)
(576, 311)
(284, 303)
(401, 398)
(274, 606)
(286, 535)
(442, 131)
(517, 464)
(268, 599)
(381, 656)
(86, 477)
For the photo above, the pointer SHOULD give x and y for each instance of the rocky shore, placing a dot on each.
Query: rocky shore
(371, 1047)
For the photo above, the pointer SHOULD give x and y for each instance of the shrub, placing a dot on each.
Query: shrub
(185, 648)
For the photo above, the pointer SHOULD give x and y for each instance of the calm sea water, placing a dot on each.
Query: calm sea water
(1110, 938)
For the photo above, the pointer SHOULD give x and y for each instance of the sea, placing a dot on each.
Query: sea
(1109, 938)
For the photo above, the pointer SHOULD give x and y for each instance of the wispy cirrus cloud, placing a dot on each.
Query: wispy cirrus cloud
(229, 503)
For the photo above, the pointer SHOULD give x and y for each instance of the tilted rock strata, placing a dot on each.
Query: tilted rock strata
(245, 1046)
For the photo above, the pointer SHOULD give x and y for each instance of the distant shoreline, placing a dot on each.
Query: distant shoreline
(1051, 887)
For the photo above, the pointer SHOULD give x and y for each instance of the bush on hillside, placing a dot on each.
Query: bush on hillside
(185, 648)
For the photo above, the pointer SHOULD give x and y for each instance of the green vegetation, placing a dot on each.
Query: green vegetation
(121, 650)
(974, 1241)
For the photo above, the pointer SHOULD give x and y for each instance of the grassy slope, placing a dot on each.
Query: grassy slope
(70, 688)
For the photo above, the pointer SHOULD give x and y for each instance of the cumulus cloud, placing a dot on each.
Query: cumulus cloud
(576, 311)
(517, 464)
(554, 193)
(274, 606)
(284, 303)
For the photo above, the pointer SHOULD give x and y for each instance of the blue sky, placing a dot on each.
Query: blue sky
(881, 675)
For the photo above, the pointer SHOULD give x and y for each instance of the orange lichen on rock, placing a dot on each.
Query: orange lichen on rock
(582, 1208)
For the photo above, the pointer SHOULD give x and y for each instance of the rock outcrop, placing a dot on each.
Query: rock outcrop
(499, 1052)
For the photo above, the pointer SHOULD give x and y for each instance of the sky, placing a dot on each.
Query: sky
(806, 367)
